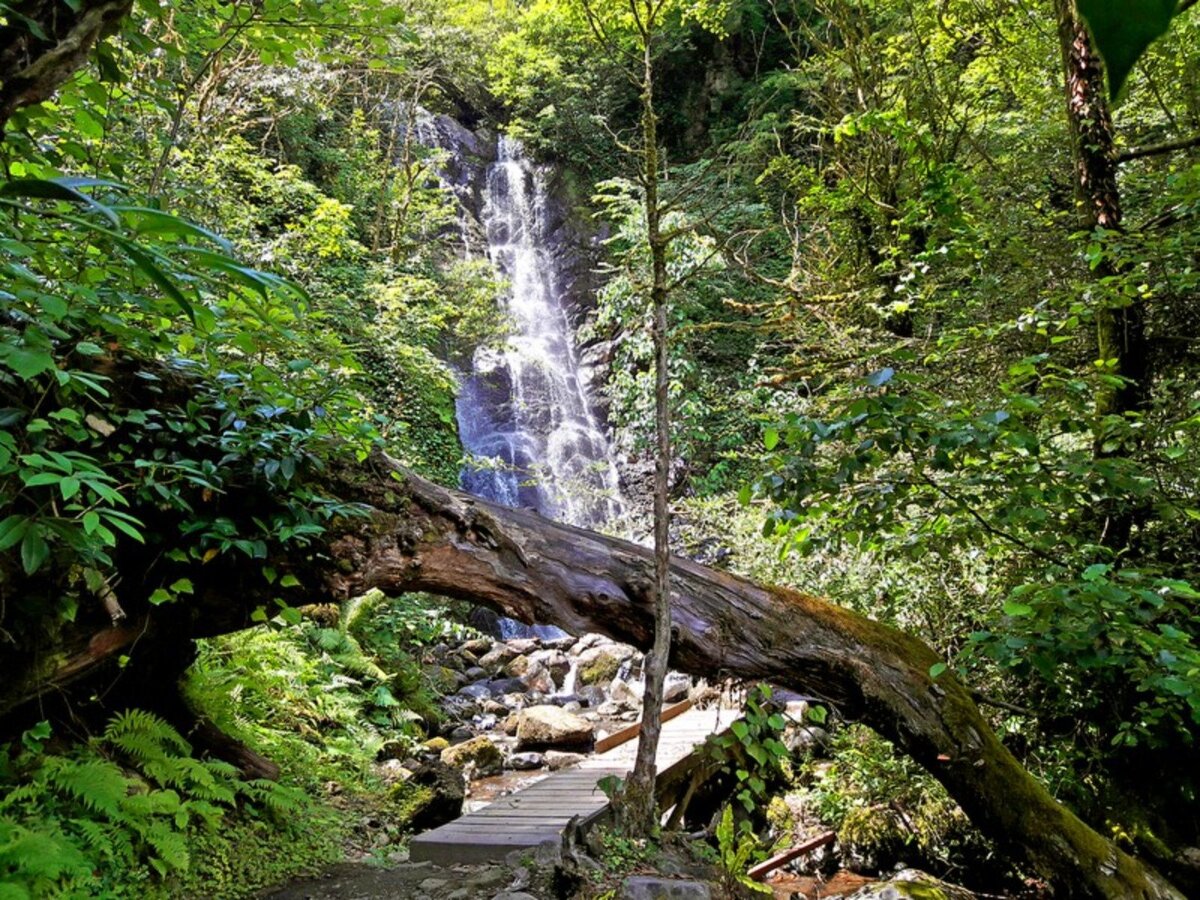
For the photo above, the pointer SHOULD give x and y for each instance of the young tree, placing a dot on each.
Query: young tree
(643, 23)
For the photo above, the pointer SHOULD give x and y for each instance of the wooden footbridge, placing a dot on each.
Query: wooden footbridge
(541, 812)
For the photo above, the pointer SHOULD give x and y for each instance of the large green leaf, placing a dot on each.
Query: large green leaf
(61, 189)
(1123, 29)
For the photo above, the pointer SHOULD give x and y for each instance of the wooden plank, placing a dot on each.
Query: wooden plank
(631, 731)
(542, 810)
(770, 865)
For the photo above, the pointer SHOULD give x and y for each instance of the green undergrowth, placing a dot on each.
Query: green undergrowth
(134, 813)
(887, 811)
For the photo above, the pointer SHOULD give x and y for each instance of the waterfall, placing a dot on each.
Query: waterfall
(524, 414)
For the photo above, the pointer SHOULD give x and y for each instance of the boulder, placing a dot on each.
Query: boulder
(653, 887)
(561, 759)
(479, 752)
(496, 658)
(509, 725)
(523, 761)
(551, 726)
(911, 884)
(434, 795)
(676, 687)
(523, 645)
(517, 666)
(597, 666)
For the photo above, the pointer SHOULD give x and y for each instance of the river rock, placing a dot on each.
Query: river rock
(587, 642)
(597, 666)
(554, 661)
(912, 884)
(550, 726)
(621, 691)
(510, 724)
(523, 645)
(562, 643)
(477, 646)
(651, 887)
(460, 733)
(468, 658)
(496, 658)
(478, 751)
(517, 666)
(537, 679)
(528, 760)
(591, 695)
(476, 691)
(502, 686)
(561, 759)
(676, 687)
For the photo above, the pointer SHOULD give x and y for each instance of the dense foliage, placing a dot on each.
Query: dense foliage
(890, 374)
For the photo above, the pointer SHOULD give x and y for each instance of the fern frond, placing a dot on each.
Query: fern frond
(98, 785)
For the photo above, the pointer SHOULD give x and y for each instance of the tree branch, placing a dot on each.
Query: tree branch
(1159, 149)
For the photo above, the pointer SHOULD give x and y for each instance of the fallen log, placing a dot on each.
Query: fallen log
(419, 536)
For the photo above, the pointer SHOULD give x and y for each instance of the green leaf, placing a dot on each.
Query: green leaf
(289, 581)
(771, 438)
(28, 363)
(143, 261)
(155, 221)
(34, 551)
(1122, 30)
(937, 669)
(1016, 608)
(69, 487)
(160, 596)
(12, 529)
(61, 189)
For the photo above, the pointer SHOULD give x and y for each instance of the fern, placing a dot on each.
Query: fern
(98, 785)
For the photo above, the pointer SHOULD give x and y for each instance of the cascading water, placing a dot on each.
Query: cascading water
(524, 415)
(523, 412)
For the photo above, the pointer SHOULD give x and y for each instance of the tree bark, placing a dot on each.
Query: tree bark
(419, 536)
(640, 813)
(1120, 329)
(33, 67)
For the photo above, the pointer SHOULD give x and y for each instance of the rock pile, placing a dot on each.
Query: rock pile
(530, 704)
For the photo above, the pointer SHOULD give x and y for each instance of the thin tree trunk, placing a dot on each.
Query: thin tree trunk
(640, 809)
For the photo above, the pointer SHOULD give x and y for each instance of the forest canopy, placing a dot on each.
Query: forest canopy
(928, 273)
